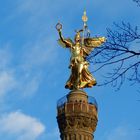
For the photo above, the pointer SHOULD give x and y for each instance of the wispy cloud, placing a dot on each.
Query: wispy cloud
(7, 77)
(122, 132)
(40, 52)
(7, 82)
(36, 60)
(12, 77)
(20, 126)
(28, 85)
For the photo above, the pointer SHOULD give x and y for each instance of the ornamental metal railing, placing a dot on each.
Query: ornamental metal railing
(63, 100)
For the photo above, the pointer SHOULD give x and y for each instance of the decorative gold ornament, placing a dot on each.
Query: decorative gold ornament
(58, 26)
(84, 17)
(81, 47)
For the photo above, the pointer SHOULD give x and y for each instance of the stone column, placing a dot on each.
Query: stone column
(77, 117)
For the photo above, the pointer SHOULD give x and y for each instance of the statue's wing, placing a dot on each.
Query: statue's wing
(66, 43)
(91, 43)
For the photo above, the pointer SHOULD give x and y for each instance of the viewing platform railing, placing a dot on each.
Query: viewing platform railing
(63, 100)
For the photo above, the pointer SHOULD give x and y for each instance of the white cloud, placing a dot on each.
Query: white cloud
(28, 86)
(37, 58)
(25, 77)
(40, 52)
(20, 126)
(26, 82)
(7, 77)
(7, 82)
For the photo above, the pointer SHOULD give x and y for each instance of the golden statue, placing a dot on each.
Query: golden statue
(80, 75)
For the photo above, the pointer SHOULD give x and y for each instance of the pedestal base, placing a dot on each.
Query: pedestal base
(77, 118)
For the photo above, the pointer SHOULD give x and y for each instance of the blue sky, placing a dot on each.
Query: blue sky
(34, 69)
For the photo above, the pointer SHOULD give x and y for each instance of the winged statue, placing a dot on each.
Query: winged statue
(80, 48)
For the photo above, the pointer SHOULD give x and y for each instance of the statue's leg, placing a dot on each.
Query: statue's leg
(80, 68)
(77, 73)
(75, 76)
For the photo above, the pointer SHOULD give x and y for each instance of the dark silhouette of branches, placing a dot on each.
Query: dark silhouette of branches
(137, 1)
(120, 55)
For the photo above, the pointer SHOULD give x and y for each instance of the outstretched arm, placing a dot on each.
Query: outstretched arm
(65, 42)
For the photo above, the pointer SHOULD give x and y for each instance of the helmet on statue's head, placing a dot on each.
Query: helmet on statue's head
(77, 36)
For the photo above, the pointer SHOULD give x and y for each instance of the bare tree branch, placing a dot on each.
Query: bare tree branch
(137, 1)
(121, 52)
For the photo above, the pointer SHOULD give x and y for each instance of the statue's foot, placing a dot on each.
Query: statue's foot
(95, 83)
(66, 86)
(92, 84)
(69, 87)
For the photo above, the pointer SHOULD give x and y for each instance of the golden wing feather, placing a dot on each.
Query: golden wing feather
(91, 43)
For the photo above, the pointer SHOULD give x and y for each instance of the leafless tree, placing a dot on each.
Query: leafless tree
(120, 54)
(137, 1)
